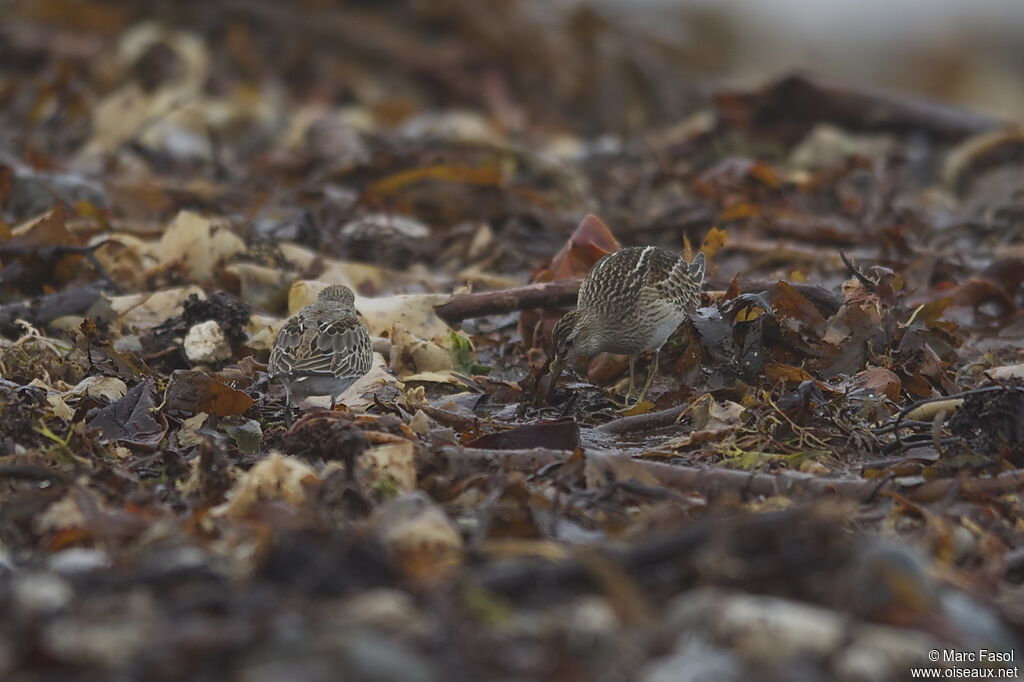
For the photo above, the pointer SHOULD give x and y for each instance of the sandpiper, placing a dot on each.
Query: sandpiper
(630, 302)
(322, 349)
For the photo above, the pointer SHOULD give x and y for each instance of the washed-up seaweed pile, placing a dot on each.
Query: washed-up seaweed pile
(823, 483)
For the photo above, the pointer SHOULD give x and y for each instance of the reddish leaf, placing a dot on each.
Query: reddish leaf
(796, 313)
(879, 381)
(192, 392)
(589, 243)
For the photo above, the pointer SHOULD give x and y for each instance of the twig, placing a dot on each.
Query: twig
(32, 472)
(857, 274)
(563, 293)
(827, 302)
(643, 422)
(715, 480)
(544, 295)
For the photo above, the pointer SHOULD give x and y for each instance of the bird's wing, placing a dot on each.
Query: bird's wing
(340, 347)
(681, 283)
(587, 286)
(621, 279)
(289, 339)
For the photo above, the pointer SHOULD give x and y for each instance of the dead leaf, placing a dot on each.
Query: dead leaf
(711, 415)
(126, 366)
(796, 313)
(110, 388)
(48, 229)
(713, 242)
(191, 392)
(140, 312)
(877, 381)
(1006, 372)
(206, 343)
(188, 433)
(486, 176)
(411, 355)
(642, 407)
(589, 243)
(413, 312)
(133, 419)
(602, 468)
(779, 372)
(928, 411)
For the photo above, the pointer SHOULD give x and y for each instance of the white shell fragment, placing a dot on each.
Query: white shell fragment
(205, 343)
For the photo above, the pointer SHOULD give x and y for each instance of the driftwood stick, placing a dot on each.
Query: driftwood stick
(563, 292)
(643, 422)
(797, 484)
(791, 483)
(543, 295)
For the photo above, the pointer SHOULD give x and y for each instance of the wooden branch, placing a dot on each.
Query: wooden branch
(32, 472)
(643, 422)
(563, 293)
(557, 294)
(790, 483)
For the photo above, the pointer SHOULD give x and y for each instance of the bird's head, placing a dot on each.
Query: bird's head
(563, 338)
(337, 293)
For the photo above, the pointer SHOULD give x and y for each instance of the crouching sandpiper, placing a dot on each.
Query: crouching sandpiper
(629, 303)
(322, 349)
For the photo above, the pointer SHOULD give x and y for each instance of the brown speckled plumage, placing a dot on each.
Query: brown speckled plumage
(630, 302)
(323, 348)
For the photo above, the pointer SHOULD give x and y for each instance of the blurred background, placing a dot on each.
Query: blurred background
(603, 66)
(966, 52)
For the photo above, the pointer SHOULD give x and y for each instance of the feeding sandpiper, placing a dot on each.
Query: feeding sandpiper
(322, 349)
(630, 302)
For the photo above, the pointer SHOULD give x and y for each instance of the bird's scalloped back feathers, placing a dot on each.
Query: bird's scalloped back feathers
(683, 283)
(340, 347)
(289, 338)
(348, 342)
(633, 299)
(318, 342)
(619, 277)
(697, 267)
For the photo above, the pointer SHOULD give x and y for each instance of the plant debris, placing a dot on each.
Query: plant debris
(825, 481)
